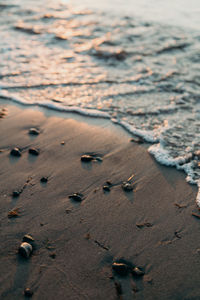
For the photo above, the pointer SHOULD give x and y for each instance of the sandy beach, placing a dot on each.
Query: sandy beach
(76, 242)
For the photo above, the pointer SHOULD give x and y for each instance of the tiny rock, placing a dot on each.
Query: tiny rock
(28, 238)
(137, 271)
(15, 152)
(76, 197)
(44, 179)
(128, 187)
(28, 292)
(33, 151)
(120, 268)
(34, 131)
(16, 194)
(25, 249)
(86, 158)
(106, 188)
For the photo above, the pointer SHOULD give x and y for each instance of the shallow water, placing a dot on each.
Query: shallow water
(142, 75)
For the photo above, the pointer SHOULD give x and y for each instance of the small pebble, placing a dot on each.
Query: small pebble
(44, 179)
(128, 187)
(106, 188)
(15, 152)
(87, 158)
(62, 143)
(137, 271)
(120, 268)
(76, 197)
(28, 293)
(25, 249)
(34, 131)
(16, 194)
(33, 151)
(28, 238)
(52, 255)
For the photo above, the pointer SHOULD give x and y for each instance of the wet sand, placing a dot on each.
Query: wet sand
(76, 242)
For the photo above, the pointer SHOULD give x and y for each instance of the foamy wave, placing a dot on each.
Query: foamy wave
(55, 106)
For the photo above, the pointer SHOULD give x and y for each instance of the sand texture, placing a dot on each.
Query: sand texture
(76, 242)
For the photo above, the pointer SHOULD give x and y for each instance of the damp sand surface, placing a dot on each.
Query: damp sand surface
(76, 242)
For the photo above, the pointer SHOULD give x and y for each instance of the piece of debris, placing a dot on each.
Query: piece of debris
(88, 236)
(76, 197)
(196, 215)
(180, 206)
(34, 131)
(15, 152)
(62, 143)
(25, 249)
(13, 213)
(28, 293)
(34, 151)
(146, 224)
(137, 271)
(120, 268)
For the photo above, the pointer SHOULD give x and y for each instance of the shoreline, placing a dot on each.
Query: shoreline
(151, 227)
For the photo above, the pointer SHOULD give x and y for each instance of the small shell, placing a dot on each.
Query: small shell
(25, 249)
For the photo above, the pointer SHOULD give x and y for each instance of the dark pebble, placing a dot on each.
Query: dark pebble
(120, 268)
(128, 187)
(44, 179)
(28, 293)
(34, 131)
(137, 271)
(137, 140)
(33, 151)
(52, 255)
(76, 197)
(15, 152)
(86, 158)
(106, 188)
(16, 194)
(28, 238)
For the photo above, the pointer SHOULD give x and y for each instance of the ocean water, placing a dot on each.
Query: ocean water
(138, 65)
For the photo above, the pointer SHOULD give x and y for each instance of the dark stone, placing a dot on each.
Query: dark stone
(120, 268)
(86, 158)
(44, 179)
(76, 197)
(15, 152)
(128, 187)
(28, 292)
(34, 151)
(137, 271)
(34, 131)
(16, 194)
(106, 188)
(28, 238)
